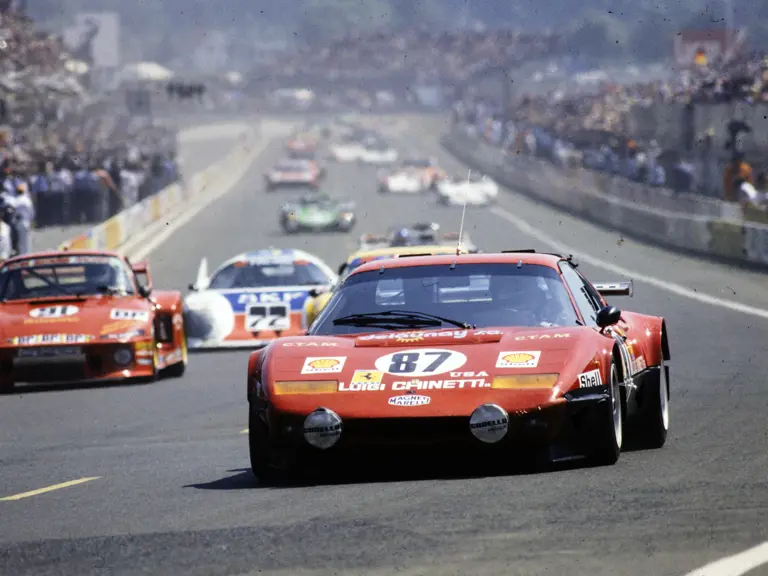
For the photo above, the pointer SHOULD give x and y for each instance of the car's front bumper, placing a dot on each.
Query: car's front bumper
(93, 362)
(568, 422)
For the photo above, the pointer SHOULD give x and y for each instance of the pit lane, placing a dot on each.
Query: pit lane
(174, 493)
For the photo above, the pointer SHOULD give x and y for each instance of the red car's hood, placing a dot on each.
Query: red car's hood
(91, 317)
(455, 369)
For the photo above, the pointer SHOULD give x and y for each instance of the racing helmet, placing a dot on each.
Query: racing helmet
(100, 275)
(524, 294)
(401, 237)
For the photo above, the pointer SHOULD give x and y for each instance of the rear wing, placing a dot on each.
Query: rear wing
(615, 288)
(141, 269)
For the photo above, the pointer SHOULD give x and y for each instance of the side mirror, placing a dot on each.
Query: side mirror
(608, 316)
(315, 292)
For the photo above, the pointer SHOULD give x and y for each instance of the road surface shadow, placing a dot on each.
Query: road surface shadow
(21, 389)
(244, 479)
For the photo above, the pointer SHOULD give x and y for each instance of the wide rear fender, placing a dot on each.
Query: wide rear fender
(650, 333)
(254, 375)
(167, 300)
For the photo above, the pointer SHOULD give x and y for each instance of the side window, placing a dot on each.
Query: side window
(593, 294)
(578, 288)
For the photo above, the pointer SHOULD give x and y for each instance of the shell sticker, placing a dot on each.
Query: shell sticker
(518, 359)
(323, 365)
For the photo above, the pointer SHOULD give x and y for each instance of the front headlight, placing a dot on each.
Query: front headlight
(489, 423)
(122, 356)
(525, 382)
(305, 387)
(322, 428)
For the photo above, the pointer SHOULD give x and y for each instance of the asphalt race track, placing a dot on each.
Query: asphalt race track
(173, 493)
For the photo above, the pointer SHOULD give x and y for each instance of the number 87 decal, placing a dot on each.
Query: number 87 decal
(424, 362)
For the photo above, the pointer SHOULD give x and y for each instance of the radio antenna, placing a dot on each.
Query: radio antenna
(463, 214)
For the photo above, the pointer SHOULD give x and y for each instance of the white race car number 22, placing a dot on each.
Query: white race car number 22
(272, 317)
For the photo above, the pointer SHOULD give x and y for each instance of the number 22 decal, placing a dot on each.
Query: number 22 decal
(424, 362)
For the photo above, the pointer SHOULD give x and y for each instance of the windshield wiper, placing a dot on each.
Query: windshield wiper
(110, 290)
(402, 317)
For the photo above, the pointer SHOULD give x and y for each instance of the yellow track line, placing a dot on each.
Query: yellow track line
(48, 489)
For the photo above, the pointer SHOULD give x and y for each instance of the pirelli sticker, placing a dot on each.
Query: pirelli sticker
(518, 359)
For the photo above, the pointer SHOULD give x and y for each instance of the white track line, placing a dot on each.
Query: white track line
(737, 564)
(203, 201)
(677, 289)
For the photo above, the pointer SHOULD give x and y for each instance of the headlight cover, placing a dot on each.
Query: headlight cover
(489, 423)
(122, 356)
(322, 428)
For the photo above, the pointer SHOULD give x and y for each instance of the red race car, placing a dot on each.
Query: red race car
(85, 315)
(483, 355)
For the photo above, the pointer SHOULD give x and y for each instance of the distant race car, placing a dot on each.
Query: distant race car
(86, 316)
(317, 212)
(378, 152)
(315, 304)
(352, 147)
(477, 359)
(413, 174)
(292, 173)
(402, 181)
(253, 298)
(308, 155)
(419, 234)
(475, 191)
(303, 142)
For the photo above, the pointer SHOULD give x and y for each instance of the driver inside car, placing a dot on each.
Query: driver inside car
(519, 300)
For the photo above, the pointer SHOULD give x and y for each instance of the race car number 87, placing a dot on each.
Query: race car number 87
(407, 362)
(423, 362)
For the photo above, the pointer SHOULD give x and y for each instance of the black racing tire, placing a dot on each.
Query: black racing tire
(288, 229)
(259, 450)
(346, 227)
(383, 189)
(650, 429)
(177, 370)
(607, 434)
(152, 378)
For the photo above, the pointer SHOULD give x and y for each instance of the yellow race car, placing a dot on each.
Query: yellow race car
(317, 301)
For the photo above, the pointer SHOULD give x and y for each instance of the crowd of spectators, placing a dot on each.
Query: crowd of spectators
(593, 129)
(424, 54)
(77, 159)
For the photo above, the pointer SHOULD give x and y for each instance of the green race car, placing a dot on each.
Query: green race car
(317, 213)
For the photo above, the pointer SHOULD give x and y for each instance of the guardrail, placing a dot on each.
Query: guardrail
(714, 235)
(115, 232)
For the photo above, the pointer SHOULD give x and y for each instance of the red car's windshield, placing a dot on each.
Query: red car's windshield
(64, 276)
(483, 295)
